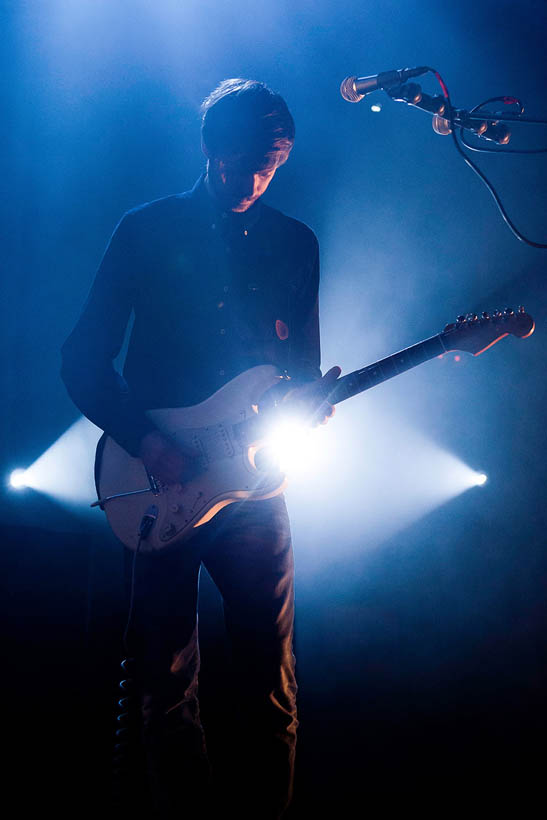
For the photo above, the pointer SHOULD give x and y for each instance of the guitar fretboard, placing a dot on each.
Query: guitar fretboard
(373, 374)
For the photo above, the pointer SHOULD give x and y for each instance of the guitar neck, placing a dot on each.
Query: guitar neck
(367, 377)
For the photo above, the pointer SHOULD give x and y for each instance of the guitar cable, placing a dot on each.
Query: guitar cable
(125, 760)
(125, 746)
(131, 594)
(147, 522)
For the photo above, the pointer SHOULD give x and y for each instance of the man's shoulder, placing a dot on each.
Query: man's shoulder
(159, 209)
(293, 228)
(159, 220)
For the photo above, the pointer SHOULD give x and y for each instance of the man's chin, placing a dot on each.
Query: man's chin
(241, 207)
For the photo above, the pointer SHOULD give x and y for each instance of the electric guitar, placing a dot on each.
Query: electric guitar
(228, 435)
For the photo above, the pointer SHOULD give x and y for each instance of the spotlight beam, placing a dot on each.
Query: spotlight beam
(18, 479)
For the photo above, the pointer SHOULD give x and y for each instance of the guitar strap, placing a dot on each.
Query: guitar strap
(98, 460)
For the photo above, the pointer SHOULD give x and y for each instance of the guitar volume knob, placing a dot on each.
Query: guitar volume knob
(169, 530)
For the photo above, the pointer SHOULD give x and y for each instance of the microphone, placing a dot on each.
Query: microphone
(353, 89)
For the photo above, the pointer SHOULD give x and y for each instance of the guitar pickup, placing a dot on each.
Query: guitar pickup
(213, 443)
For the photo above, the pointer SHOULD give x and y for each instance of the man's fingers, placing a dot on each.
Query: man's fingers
(332, 374)
(329, 413)
(328, 381)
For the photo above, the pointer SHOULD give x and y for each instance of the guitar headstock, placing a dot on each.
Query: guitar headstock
(475, 334)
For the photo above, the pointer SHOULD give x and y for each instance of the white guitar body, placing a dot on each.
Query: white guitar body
(227, 473)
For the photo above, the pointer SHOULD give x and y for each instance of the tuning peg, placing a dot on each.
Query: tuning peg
(472, 317)
(461, 319)
(497, 314)
(521, 309)
(485, 314)
(509, 311)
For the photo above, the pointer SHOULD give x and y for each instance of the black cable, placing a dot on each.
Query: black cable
(450, 117)
(127, 760)
(147, 522)
(125, 746)
(126, 757)
(488, 150)
(131, 596)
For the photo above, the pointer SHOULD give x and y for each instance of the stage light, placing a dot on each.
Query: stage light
(293, 445)
(65, 471)
(377, 475)
(364, 475)
(376, 107)
(17, 479)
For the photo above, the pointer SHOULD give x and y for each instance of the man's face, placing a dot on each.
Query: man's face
(238, 182)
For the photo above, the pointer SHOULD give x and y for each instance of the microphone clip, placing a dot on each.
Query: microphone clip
(412, 94)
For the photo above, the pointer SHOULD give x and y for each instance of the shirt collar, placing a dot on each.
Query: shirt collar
(244, 221)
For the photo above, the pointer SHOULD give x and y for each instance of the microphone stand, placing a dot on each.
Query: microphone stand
(478, 123)
(487, 126)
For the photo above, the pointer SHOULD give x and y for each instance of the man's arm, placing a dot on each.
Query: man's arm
(311, 389)
(94, 385)
(304, 344)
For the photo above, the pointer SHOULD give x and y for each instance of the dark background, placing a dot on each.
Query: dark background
(420, 637)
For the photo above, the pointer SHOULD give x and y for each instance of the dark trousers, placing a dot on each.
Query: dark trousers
(246, 549)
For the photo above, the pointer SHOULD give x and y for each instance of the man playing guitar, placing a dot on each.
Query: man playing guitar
(217, 283)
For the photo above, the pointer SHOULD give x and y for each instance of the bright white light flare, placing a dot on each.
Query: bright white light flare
(294, 446)
(18, 479)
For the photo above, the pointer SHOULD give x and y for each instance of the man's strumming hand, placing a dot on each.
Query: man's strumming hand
(165, 459)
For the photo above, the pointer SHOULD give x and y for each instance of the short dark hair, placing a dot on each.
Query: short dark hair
(246, 117)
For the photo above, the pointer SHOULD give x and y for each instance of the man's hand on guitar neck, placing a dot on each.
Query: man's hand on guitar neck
(310, 400)
(165, 459)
